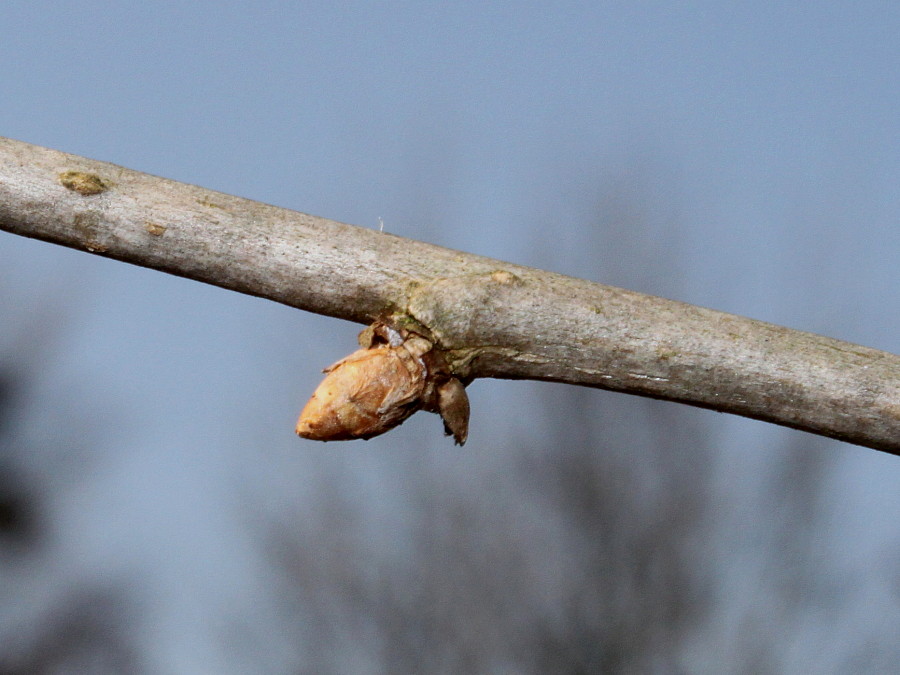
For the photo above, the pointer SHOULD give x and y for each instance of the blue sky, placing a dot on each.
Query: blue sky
(759, 140)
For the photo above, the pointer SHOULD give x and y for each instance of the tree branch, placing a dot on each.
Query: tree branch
(495, 319)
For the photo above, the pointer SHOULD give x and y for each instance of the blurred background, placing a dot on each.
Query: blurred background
(157, 513)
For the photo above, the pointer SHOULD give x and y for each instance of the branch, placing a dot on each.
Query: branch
(493, 318)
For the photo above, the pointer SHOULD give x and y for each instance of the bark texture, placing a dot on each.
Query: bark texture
(491, 318)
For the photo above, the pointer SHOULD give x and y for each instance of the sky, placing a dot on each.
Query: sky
(761, 140)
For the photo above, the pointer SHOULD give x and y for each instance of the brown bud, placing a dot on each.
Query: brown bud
(453, 406)
(378, 387)
(367, 393)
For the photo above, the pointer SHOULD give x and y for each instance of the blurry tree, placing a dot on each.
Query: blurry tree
(19, 526)
(603, 548)
(48, 623)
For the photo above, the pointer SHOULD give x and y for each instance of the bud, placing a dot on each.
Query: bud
(453, 407)
(378, 387)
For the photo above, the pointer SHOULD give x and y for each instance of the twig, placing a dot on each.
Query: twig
(495, 319)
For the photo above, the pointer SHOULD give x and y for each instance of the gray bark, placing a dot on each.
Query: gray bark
(493, 318)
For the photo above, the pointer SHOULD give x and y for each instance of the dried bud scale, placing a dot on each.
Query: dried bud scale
(453, 407)
(377, 387)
